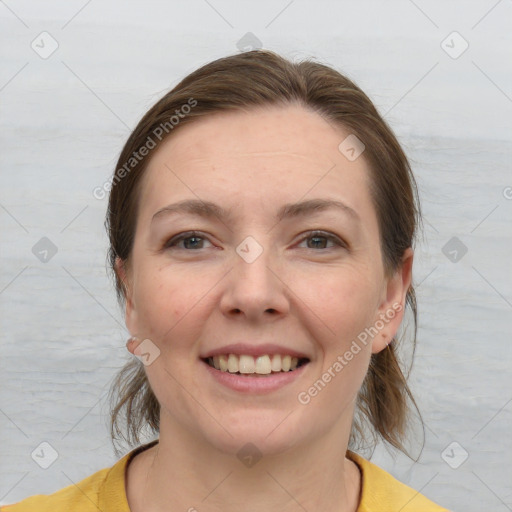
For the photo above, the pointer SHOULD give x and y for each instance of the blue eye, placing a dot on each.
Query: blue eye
(320, 239)
(191, 240)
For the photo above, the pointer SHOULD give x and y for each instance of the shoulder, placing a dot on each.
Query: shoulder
(103, 490)
(82, 496)
(381, 492)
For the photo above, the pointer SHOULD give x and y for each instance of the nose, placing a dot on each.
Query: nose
(255, 290)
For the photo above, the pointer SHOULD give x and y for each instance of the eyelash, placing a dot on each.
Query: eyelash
(172, 242)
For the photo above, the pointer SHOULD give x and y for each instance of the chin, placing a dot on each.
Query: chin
(265, 436)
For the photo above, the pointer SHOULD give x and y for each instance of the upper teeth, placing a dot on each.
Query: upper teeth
(248, 364)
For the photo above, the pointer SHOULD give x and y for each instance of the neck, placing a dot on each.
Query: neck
(183, 472)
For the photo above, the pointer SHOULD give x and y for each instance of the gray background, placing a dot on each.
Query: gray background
(64, 119)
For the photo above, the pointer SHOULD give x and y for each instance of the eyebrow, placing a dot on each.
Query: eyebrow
(208, 209)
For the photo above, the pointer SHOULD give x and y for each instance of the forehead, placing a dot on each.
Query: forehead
(259, 158)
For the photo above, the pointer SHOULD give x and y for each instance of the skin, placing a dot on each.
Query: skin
(306, 293)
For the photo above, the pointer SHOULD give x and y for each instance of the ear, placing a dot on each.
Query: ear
(130, 309)
(392, 307)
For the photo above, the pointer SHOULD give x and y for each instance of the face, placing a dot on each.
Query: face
(275, 252)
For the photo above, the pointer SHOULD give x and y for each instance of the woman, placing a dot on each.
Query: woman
(261, 220)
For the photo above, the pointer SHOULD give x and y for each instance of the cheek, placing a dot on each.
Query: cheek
(171, 305)
(346, 306)
(343, 301)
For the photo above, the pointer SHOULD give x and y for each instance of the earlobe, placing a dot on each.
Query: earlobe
(132, 345)
(392, 308)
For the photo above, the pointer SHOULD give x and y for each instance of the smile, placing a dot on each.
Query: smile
(248, 365)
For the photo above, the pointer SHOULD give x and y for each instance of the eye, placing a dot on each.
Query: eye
(320, 239)
(191, 240)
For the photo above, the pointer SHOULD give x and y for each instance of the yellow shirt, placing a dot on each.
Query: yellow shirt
(105, 491)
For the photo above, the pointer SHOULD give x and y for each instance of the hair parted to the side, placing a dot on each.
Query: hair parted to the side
(242, 82)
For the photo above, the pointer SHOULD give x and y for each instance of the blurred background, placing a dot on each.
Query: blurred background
(76, 76)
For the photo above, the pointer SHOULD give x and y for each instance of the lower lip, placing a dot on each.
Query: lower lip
(251, 384)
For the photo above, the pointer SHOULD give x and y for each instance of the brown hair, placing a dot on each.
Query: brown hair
(238, 83)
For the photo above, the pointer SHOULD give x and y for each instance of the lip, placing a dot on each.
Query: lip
(254, 350)
(254, 385)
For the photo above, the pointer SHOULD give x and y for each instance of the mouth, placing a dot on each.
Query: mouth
(260, 366)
